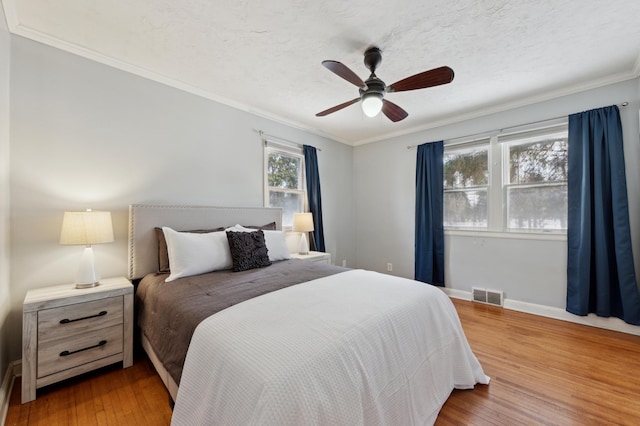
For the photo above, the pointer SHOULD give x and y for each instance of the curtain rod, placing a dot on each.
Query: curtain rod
(265, 136)
(506, 129)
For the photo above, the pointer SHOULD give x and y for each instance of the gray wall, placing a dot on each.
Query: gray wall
(526, 269)
(84, 135)
(4, 193)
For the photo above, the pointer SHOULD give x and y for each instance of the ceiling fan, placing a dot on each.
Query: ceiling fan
(373, 90)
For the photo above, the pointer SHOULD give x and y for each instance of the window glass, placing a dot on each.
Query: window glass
(289, 202)
(466, 179)
(544, 161)
(541, 207)
(284, 170)
(465, 208)
(536, 182)
(284, 181)
(466, 168)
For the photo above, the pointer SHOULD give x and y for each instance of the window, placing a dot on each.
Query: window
(466, 184)
(284, 181)
(536, 182)
(515, 182)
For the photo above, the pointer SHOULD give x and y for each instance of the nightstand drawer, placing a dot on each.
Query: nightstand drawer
(66, 321)
(65, 353)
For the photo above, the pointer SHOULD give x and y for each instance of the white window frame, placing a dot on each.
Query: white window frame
(498, 160)
(273, 147)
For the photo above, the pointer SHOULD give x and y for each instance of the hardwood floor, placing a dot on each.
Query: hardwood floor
(546, 372)
(109, 396)
(543, 372)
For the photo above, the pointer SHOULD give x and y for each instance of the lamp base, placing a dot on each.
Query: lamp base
(304, 246)
(87, 277)
(89, 285)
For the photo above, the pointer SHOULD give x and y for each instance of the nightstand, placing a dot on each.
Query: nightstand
(68, 331)
(314, 256)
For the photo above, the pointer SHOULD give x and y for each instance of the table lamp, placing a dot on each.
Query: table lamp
(303, 222)
(86, 228)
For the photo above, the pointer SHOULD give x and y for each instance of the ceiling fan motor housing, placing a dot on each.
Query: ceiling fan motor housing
(374, 85)
(372, 58)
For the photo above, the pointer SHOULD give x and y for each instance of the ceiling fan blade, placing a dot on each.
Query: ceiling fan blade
(393, 111)
(337, 108)
(434, 77)
(343, 71)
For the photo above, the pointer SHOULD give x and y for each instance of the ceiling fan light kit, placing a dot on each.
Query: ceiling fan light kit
(373, 90)
(372, 104)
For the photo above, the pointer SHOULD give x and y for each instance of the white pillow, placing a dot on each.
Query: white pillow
(274, 240)
(192, 254)
(239, 228)
(276, 245)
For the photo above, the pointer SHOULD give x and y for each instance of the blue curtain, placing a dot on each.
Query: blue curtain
(429, 238)
(313, 196)
(601, 276)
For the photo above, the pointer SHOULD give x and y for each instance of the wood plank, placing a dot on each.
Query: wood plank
(128, 330)
(543, 372)
(29, 358)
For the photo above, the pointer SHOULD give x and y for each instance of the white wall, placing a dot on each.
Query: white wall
(527, 270)
(4, 192)
(87, 135)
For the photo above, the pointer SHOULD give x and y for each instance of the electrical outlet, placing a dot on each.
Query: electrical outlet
(389, 267)
(344, 263)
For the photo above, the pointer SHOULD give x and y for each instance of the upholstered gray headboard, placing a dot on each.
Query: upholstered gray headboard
(143, 218)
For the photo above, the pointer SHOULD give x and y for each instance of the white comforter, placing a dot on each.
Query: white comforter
(356, 348)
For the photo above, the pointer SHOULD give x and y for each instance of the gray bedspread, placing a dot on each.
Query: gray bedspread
(168, 313)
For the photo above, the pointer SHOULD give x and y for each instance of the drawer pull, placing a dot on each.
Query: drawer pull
(67, 320)
(66, 353)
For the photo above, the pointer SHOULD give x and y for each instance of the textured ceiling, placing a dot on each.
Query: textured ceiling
(264, 56)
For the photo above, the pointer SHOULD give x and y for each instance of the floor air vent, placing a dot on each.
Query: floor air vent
(490, 297)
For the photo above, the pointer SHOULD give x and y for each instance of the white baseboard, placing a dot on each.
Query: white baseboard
(615, 324)
(13, 370)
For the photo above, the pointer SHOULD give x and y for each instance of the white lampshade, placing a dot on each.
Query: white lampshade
(372, 104)
(86, 228)
(303, 222)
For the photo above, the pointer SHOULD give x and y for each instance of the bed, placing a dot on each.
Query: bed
(292, 342)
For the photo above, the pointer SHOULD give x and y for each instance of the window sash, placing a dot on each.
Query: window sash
(287, 214)
(474, 215)
(469, 223)
(551, 222)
